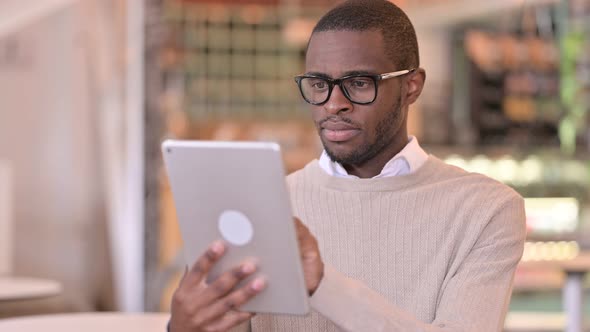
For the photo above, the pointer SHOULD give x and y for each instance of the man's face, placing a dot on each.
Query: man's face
(354, 134)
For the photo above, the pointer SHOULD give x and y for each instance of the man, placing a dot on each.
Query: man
(407, 242)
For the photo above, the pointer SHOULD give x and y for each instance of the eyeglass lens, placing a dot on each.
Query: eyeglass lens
(358, 89)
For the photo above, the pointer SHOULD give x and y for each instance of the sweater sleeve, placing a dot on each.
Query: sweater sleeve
(244, 327)
(476, 297)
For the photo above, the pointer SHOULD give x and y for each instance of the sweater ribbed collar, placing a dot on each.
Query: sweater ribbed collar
(375, 184)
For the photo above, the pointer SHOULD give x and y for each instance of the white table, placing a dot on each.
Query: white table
(88, 322)
(17, 288)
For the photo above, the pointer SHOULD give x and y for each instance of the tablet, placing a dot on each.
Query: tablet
(236, 192)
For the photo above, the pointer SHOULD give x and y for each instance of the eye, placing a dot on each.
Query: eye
(360, 83)
(319, 85)
(315, 85)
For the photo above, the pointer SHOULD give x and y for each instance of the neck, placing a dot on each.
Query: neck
(372, 167)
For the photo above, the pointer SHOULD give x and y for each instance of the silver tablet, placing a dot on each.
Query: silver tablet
(236, 192)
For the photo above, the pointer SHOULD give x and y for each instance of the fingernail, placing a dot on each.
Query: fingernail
(258, 284)
(248, 268)
(217, 247)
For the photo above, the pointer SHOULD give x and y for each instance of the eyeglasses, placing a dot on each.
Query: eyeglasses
(359, 89)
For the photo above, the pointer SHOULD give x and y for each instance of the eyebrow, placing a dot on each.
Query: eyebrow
(347, 73)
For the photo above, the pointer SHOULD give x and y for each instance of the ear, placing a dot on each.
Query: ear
(415, 83)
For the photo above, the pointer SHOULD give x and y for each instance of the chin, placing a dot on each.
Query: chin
(341, 154)
(339, 149)
(347, 153)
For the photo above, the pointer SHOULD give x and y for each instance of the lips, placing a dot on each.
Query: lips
(338, 131)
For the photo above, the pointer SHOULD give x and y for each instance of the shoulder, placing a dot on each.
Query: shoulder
(307, 172)
(454, 174)
(489, 210)
(475, 188)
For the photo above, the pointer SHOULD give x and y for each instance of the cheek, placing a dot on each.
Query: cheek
(376, 116)
(316, 115)
(389, 97)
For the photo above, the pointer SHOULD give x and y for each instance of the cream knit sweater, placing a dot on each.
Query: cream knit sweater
(434, 250)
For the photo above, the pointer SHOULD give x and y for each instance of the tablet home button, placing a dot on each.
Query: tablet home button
(235, 227)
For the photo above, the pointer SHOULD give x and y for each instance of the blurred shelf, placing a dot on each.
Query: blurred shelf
(579, 264)
(531, 281)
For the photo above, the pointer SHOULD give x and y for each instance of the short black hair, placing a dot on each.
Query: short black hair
(399, 36)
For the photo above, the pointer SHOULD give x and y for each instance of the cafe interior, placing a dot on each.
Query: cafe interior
(89, 90)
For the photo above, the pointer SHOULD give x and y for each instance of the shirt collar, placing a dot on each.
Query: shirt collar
(407, 161)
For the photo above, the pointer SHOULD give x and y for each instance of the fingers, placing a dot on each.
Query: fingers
(300, 226)
(302, 231)
(307, 241)
(234, 300)
(313, 266)
(183, 274)
(198, 306)
(202, 266)
(229, 320)
(226, 282)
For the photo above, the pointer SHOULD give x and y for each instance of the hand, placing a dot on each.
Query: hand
(313, 266)
(197, 306)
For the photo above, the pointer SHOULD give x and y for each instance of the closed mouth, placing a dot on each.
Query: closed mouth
(338, 131)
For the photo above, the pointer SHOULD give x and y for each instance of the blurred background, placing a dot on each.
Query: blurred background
(89, 89)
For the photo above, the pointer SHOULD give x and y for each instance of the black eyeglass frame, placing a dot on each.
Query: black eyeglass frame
(338, 81)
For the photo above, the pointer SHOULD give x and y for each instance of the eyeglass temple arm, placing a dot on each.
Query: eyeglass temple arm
(395, 73)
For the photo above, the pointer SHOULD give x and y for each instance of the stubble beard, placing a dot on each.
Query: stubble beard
(384, 136)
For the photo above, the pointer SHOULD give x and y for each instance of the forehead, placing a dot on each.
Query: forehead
(337, 52)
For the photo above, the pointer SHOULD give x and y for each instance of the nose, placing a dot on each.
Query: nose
(338, 102)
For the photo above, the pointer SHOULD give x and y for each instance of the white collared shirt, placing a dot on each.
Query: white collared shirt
(407, 161)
